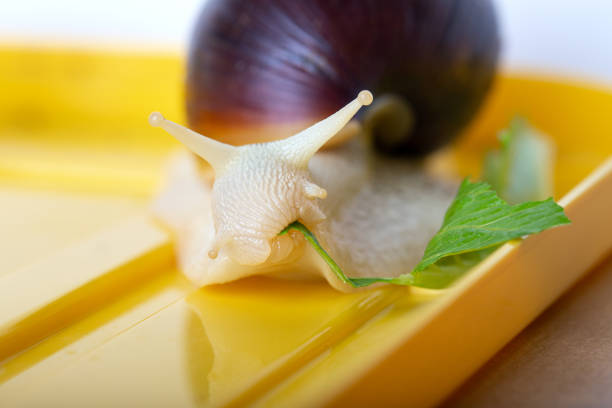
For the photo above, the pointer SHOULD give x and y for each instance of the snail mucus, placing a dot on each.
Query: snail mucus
(262, 69)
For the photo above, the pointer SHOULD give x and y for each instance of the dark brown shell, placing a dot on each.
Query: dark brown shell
(273, 65)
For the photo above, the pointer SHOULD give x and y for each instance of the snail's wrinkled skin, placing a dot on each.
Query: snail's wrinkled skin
(374, 216)
(258, 195)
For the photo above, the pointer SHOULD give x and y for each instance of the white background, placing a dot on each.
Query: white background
(564, 37)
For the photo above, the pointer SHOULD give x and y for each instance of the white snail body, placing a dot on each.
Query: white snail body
(374, 216)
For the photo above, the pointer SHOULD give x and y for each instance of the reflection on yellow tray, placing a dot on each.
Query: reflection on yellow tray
(106, 320)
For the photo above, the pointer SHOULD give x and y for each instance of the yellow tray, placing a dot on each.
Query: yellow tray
(94, 313)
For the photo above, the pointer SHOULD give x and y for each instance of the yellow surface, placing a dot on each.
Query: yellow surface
(78, 121)
(108, 321)
(38, 223)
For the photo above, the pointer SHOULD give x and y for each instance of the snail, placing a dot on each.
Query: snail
(256, 70)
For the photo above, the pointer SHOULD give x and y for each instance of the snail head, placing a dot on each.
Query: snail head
(261, 188)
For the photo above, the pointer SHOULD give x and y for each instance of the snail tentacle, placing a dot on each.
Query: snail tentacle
(300, 147)
(216, 153)
(312, 191)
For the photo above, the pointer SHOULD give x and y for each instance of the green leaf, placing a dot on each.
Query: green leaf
(479, 219)
(522, 169)
(476, 223)
(444, 272)
(436, 276)
(298, 226)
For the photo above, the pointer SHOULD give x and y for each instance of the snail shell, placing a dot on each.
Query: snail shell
(259, 70)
